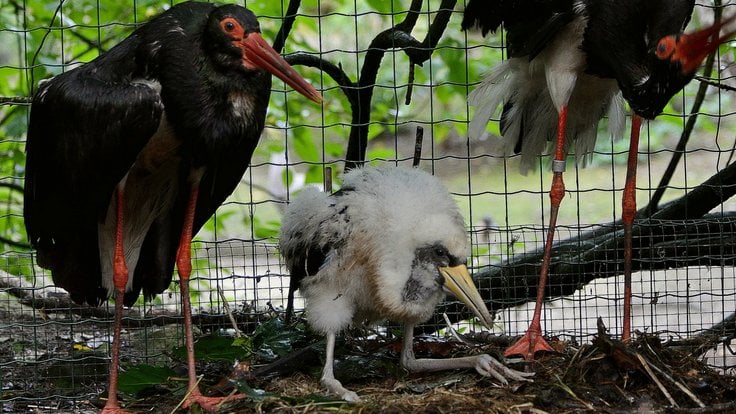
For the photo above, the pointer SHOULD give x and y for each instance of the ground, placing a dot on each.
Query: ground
(647, 376)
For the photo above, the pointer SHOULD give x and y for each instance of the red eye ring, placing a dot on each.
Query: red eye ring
(229, 24)
(666, 47)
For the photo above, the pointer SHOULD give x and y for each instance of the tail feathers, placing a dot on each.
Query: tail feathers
(586, 138)
(529, 119)
(492, 91)
(585, 143)
(532, 131)
(537, 127)
(616, 116)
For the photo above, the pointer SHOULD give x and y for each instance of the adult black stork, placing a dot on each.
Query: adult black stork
(129, 155)
(570, 62)
(388, 245)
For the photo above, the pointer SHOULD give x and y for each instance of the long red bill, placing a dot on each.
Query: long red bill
(693, 48)
(258, 53)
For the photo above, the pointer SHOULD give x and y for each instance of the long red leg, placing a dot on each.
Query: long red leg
(628, 214)
(184, 266)
(533, 341)
(120, 279)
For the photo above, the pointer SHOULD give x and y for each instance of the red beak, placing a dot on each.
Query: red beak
(259, 54)
(692, 48)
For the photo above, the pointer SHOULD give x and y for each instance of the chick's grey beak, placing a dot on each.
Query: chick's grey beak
(459, 283)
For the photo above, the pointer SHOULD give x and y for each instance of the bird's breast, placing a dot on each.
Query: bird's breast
(162, 148)
(241, 104)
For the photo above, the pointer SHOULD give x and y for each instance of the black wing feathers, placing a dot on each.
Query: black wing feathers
(529, 24)
(86, 128)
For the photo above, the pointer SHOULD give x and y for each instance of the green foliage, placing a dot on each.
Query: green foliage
(135, 379)
(42, 38)
(216, 348)
(271, 340)
(274, 339)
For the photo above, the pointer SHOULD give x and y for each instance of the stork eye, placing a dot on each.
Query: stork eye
(440, 251)
(229, 25)
(666, 47)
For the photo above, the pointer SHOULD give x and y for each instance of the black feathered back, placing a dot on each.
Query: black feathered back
(88, 126)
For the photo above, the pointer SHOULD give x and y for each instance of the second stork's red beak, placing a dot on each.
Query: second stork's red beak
(690, 49)
(258, 53)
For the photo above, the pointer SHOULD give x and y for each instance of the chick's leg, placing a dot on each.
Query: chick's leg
(484, 364)
(328, 377)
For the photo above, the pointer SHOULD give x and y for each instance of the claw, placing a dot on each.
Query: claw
(529, 344)
(489, 366)
(208, 404)
(335, 387)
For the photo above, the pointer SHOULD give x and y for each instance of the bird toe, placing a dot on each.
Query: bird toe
(490, 367)
(350, 396)
(335, 387)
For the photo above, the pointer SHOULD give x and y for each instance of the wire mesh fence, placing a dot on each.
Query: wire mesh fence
(52, 350)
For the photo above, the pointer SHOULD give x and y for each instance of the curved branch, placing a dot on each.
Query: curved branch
(358, 141)
(397, 37)
(347, 86)
(12, 186)
(15, 100)
(286, 25)
(420, 55)
(703, 79)
(686, 132)
(722, 332)
(13, 243)
(681, 234)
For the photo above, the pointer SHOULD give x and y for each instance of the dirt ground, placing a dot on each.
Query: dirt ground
(647, 376)
(604, 377)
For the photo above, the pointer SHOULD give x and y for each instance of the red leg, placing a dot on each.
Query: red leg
(628, 214)
(533, 341)
(120, 279)
(184, 266)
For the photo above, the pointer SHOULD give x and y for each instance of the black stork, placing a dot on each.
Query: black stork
(129, 155)
(388, 245)
(570, 63)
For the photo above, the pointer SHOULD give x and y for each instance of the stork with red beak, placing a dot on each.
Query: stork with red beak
(129, 155)
(570, 63)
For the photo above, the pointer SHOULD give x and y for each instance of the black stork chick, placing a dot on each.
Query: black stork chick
(388, 245)
(570, 62)
(129, 155)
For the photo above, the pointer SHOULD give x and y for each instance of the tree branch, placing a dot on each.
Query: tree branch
(286, 25)
(686, 132)
(398, 37)
(722, 332)
(15, 100)
(13, 243)
(334, 71)
(680, 234)
(49, 300)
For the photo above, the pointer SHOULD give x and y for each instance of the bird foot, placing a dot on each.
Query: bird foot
(529, 344)
(490, 367)
(335, 387)
(114, 410)
(208, 404)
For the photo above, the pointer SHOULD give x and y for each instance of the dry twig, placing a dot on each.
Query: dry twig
(654, 378)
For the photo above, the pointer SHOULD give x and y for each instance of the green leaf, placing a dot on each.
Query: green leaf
(267, 228)
(140, 377)
(252, 393)
(382, 6)
(273, 339)
(304, 146)
(216, 348)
